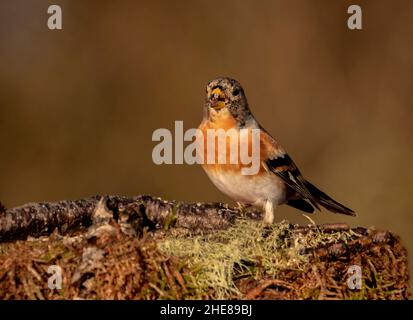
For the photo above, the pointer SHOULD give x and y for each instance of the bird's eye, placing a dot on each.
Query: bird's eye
(235, 92)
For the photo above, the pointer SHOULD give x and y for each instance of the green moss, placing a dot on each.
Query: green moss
(249, 248)
(239, 262)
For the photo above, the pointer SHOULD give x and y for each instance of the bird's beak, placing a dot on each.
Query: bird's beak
(217, 99)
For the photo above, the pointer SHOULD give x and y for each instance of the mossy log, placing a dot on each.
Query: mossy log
(41, 219)
(113, 247)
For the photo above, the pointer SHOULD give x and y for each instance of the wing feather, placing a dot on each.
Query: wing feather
(279, 162)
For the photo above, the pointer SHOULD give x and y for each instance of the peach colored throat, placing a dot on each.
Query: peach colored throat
(223, 120)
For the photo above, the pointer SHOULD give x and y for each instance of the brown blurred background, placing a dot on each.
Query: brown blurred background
(78, 106)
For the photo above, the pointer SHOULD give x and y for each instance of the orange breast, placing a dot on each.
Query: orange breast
(227, 122)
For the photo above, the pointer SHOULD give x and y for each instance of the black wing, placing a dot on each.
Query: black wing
(284, 167)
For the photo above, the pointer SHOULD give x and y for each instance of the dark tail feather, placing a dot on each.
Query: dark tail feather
(301, 204)
(327, 202)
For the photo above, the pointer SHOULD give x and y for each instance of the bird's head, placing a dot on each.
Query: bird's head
(226, 95)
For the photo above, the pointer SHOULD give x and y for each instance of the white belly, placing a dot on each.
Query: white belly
(254, 190)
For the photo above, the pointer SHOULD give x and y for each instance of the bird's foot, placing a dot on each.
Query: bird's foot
(243, 207)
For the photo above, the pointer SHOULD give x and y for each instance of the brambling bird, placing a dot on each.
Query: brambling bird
(278, 180)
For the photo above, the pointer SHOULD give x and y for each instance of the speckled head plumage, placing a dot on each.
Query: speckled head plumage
(227, 94)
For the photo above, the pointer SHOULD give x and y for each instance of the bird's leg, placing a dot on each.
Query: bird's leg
(269, 212)
(240, 206)
(243, 207)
